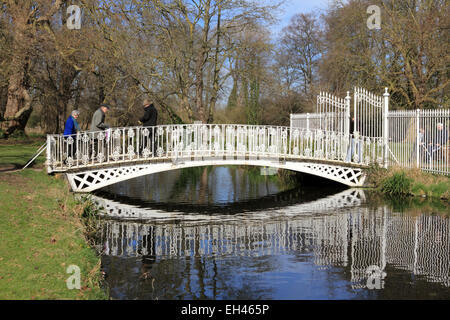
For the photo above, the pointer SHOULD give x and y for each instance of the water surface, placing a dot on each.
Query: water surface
(231, 233)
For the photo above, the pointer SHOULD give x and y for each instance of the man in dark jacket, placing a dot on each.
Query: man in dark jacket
(150, 114)
(149, 120)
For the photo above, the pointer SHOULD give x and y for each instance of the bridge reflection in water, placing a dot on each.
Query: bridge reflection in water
(348, 235)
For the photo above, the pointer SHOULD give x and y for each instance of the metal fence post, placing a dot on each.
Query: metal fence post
(307, 121)
(347, 114)
(386, 125)
(417, 138)
(48, 162)
(355, 114)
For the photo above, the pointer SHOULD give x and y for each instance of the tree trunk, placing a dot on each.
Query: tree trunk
(199, 87)
(18, 105)
(212, 105)
(202, 57)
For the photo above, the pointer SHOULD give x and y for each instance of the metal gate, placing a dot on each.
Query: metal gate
(369, 113)
(334, 112)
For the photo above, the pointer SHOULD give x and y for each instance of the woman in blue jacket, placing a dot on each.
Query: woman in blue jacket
(70, 130)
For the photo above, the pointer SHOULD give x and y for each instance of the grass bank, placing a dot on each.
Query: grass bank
(409, 182)
(15, 152)
(43, 233)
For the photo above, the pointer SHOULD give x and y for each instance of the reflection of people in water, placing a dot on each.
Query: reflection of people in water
(148, 259)
(146, 266)
(196, 270)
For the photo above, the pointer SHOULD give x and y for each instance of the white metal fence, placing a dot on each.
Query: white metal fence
(418, 138)
(308, 121)
(332, 114)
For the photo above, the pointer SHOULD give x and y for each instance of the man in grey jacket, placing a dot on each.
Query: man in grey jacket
(98, 119)
(98, 124)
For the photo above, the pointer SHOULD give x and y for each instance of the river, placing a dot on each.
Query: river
(242, 233)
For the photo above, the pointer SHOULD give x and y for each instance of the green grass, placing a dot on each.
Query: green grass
(42, 234)
(17, 152)
(397, 184)
(403, 182)
(439, 189)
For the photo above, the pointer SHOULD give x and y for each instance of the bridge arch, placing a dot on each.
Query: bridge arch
(96, 178)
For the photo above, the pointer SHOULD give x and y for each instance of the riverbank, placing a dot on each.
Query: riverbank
(42, 234)
(409, 182)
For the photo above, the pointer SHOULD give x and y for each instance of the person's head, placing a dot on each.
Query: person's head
(421, 130)
(147, 102)
(105, 107)
(440, 126)
(75, 113)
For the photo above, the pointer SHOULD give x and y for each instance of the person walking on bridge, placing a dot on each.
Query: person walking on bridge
(354, 143)
(98, 124)
(71, 128)
(98, 119)
(148, 120)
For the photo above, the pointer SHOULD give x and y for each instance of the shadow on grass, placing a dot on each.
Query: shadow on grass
(15, 153)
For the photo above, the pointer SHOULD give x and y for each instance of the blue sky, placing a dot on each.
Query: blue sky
(292, 7)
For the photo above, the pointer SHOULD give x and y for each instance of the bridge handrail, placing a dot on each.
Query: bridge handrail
(183, 125)
(125, 144)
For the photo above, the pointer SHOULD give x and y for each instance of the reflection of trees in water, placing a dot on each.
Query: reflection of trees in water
(202, 185)
(188, 180)
(353, 240)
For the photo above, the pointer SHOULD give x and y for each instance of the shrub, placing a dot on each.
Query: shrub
(397, 185)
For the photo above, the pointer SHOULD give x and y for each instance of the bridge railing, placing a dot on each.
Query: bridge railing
(230, 141)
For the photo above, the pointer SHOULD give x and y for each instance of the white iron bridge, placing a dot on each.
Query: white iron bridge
(92, 160)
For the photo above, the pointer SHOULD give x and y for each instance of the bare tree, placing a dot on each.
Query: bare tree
(299, 51)
(27, 17)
